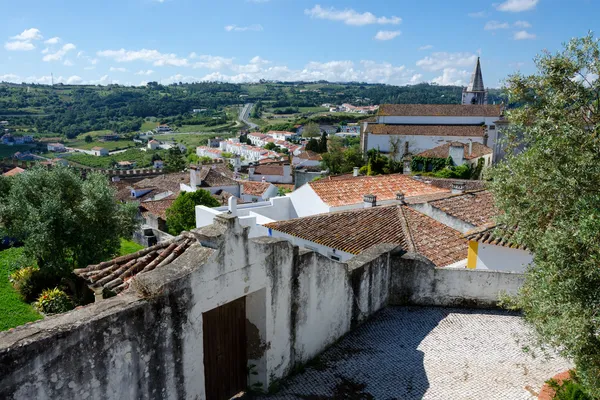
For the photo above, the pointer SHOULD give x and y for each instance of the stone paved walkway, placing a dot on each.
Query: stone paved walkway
(429, 353)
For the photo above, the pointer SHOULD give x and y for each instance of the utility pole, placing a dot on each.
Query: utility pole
(52, 78)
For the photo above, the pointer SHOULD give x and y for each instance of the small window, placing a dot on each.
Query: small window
(492, 127)
(335, 258)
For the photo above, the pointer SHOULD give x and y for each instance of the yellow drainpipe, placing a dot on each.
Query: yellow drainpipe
(472, 255)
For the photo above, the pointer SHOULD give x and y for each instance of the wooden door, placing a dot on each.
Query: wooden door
(225, 357)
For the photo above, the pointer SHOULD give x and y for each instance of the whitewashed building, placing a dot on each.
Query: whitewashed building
(99, 151)
(494, 250)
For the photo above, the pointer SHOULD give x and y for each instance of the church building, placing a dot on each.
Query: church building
(404, 129)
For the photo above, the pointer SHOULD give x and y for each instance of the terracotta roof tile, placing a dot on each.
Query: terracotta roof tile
(254, 188)
(115, 275)
(440, 110)
(357, 230)
(475, 208)
(14, 171)
(310, 155)
(443, 151)
(427, 130)
(166, 183)
(492, 234)
(446, 183)
(267, 169)
(158, 207)
(342, 192)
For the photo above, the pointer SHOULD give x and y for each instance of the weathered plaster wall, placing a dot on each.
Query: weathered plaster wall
(415, 280)
(499, 258)
(442, 217)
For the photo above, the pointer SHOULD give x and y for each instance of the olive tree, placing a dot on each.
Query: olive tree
(550, 193)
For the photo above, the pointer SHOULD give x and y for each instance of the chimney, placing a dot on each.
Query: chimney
(232, 205)
(370, 200)
(356, 170)
(400, 198)
(458, 187)
(470, 147)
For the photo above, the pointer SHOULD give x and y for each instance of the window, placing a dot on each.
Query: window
(492, 127)
(335, 258)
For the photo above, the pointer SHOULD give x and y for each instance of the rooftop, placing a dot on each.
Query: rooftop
(166, 182)
(115, 275)
(492, 234)
(443, 151)
(310, 155)
(254, 188)
(476, 208)
(440, 110)
(355, 231)
(14, 171)
(446, 183)
(157, 207)
(97, 148)
(427, 130)
(341, 192)
(269, 169)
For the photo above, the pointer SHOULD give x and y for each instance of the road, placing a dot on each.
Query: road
(245, 114)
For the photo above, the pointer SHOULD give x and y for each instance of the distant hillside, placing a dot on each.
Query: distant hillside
(72, 110)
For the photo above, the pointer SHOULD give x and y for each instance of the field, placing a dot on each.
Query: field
(8, 151)
(148, 126)
(231, 126)
(13, 311)
(142, 159)
(110, 146)
(128, 247)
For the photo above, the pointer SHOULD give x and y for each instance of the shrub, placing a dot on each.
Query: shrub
(21, 278)
(569, 389)
(53, 301)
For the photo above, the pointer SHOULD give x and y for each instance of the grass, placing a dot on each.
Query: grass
(110, 145)
(201, 128)
(148, 126)
(129, 247)
(13, 311)
(141, 158)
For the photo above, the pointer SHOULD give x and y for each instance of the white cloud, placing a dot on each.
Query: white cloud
(59, 54)
(387, 35)
(493, 25)
(68, 63)
(517, 5)
(9, 78)
(478, 14)
(152, 56)
(524, 35)
(29, 34)
(441, 60)
(54, 40)
(522, 24)
(452, 76)
(145, 72)
(426, 47)
(235, 28)
(19, 46)
(350, 17)
(74, 80)
(212, 62)
(117, 69)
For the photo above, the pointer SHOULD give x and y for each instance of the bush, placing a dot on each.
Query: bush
(569, 389)
(53, 301)
(21, 278)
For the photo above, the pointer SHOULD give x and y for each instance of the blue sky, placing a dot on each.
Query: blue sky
(397, 42)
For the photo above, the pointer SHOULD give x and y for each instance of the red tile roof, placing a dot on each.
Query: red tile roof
(495, 235)
(97, 148)
(343, 192)
(14, 171)
(357, 230)
(443, 151)
(427, 130)
(158, 207)
(440, 110)
(310, 155)
(476, 208)
(269, 169)
(254, 188)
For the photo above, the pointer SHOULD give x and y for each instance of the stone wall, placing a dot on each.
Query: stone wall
(414, 280)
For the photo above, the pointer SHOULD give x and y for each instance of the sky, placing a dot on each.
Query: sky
(400, 42)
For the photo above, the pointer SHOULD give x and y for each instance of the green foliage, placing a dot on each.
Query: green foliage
(550, 191)
(129, 247)
(88, 139)
(65, 221)
(313, 145)
(226, 154)
(476, 172)
(459, 172)
(339, 159)
(181, 216)
(13, 310)
(270, 146)
(311, 130)
(142, 159)
(53, 301)
(429, 164)
(175, 160)
(569, 389)
(283, 191)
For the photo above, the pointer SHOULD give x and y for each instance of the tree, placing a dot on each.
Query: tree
(63, 220)
(88, 139)
(550, 197)
(181, 216)
(174, 161)
(270, 146)
(323, 143)
(311, 130)
(312, 145)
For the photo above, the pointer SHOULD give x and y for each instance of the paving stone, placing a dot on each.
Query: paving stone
(429, 353)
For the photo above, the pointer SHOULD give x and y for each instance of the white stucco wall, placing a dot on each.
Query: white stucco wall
(306, 202)
(442, 217)
(417, 143)
(498, 258)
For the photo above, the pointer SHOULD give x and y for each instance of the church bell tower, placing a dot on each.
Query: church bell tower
(475, 93)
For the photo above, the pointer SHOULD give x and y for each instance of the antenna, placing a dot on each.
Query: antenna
(52, 78)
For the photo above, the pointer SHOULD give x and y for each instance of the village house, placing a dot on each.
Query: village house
(461, 153)
(109, 137)
(216, 178)
(214, 142)
(206, 151)
(56, 147)
(14, 171)
(154, 212)
(252, 192)
(491, 248)
(273, 173)
(153, 144)
(156, 188)
(163, 128)
(406, 129)
(158, 164)
(99, 151)
(250, 153)
(307, 158)
(125, 165)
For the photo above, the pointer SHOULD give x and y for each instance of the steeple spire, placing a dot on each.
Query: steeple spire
(476, 84)
(475, 93)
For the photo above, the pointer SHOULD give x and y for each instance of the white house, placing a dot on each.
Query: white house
(307, 159)
(153, 144)
(205, 151)
(214, 178)
(494, 250)
(281, 135)
(461, 153)
(274, 173)
(252, 192)
(163, 128)
(57, 147)
(158, 164)
(99, 151)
